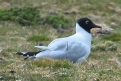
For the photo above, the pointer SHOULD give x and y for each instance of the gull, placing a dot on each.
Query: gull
(75, 48)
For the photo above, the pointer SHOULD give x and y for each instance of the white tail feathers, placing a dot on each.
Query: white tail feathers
(42, 47)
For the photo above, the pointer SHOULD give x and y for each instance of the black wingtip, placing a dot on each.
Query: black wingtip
(22, 53)
(19, 53)
(28, 53)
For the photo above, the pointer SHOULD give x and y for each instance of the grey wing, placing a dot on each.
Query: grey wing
(58, 44)
(76, 50)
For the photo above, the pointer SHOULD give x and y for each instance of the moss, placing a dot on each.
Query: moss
(37, 38)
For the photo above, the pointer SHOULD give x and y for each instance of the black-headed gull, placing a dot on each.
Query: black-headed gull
(75, 48)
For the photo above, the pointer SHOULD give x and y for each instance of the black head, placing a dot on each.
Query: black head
(87, 24)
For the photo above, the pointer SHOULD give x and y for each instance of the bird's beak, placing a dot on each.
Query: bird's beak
(97, 26)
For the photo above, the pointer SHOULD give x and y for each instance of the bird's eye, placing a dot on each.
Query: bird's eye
(87, 22)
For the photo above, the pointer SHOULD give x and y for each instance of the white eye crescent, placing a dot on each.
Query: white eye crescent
(87, 22)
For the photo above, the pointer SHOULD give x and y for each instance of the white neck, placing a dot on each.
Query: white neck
(80, 29)
(83, 35)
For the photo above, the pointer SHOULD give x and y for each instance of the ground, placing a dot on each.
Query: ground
(103, 64)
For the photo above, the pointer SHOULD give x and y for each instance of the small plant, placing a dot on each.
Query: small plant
(26, 15)
(57, 21)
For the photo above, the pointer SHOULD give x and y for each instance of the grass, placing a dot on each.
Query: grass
(113, 37)
(103, 64)
(105, 46)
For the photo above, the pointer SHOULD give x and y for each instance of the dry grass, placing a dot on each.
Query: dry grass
(102, 65)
